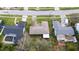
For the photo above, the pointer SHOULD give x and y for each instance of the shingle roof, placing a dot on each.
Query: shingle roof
(40, 29)
(62, 30)
(56, 25)
(17, 30)
(21, 24)
(1, 26)
(65, 31)
(13, 30)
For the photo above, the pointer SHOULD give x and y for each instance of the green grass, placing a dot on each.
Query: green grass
(10, 15)
(28, 24)
(17, 8)
(9, 21)
(12, 8)
(1, 37)
(68, 8)
(70, 46)
(4, 47)
(41, 8)
(46, 8)
(32, 8)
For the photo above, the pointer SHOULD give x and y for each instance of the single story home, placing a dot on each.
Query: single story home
(59, 30)
(40, 29)
(63, 33)
(13, 33)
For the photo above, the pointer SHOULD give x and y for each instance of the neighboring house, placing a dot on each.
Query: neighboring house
(40, 29)
(61, 32)
(13, 33)
(77, 27)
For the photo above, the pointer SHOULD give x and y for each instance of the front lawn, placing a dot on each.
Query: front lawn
(41, 8)
(9, 21)
(68, 8)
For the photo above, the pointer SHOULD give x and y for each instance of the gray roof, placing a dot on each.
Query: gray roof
(65, 31)
(39, 29)
(56, 25)
(62, 30)
(17, 30)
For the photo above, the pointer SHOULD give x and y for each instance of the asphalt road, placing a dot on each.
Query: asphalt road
(59, 12)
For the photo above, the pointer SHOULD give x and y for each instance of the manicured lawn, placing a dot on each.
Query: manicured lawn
(31, 8)
(41, 8)
(11, 15)
(9, 21)
(68, 8)
(46, 8)
(12, 8)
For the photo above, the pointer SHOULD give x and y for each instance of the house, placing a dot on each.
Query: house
(59, 29)
(77, 27)
(13, 33)
(40, 29)
(61, 32)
